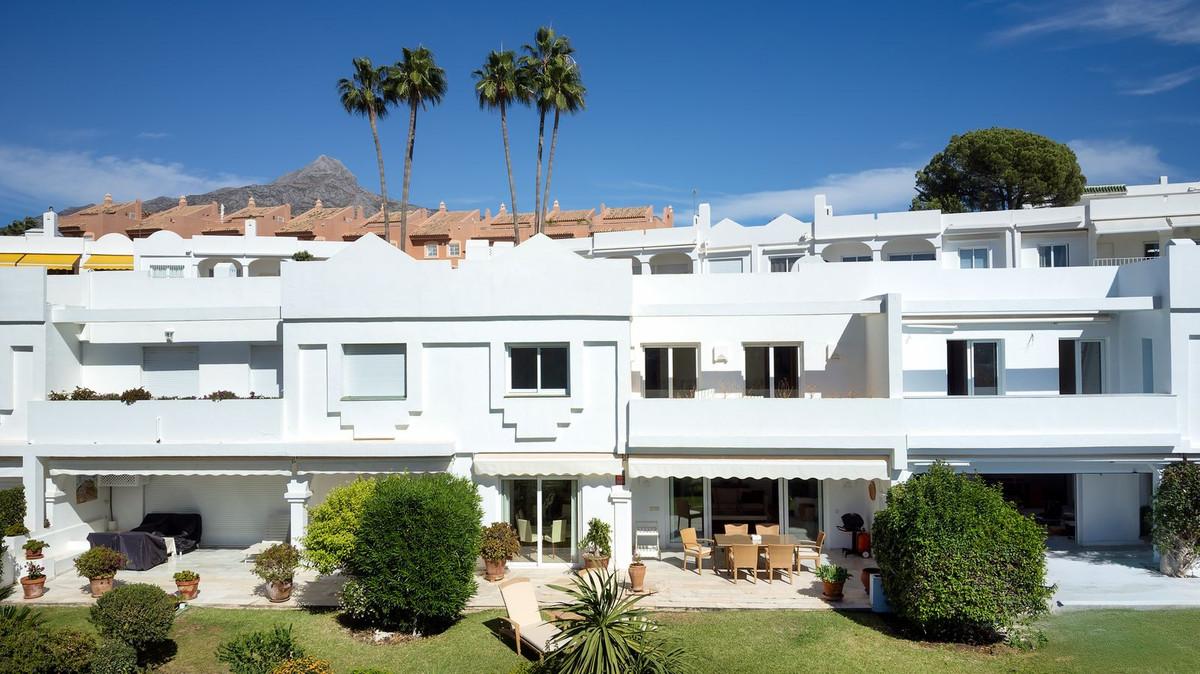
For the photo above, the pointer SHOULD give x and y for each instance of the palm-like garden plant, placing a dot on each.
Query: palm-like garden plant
(604, 631)
(417, 80)
(366, 93)
(562, 89)
(547, 46)
(498, 84)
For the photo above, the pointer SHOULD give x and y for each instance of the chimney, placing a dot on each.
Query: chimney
(321, 205)
(487, 214)
(182, 200)
(554, 208)
(441, 207)
(221, 215)
(1162, 180)
(250, 202)
(50, 223)
(251, 227)
(669, 216)
(108, 199)
(502, 210)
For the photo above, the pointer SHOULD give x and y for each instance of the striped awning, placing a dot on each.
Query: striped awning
(109, 262)
(856, 468)
(9, 259)
(49, 260)
(371, 466)
(217, 466)
(566, 464)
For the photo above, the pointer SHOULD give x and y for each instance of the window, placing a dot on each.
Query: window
(973, 367)
(910, 257)
(670, 372)
(1054, 255)
(773, 371)
(687, 505)
(542, 511)
(1151, 249)
(374, 371)
(431, 250)
(1080, 366)
(858, 258)
(166, 271)
(783, 263)
(973, 258)
(454, 249)
(732, 265)
(539, 369)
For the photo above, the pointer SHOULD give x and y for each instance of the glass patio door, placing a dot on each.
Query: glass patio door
(543, 513)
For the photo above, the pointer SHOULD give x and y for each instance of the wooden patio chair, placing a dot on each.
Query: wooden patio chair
(766, 529)
(737, 529)
(692, 547)
(811, 553)
(526, 620)
(780, 558)
(742, 556)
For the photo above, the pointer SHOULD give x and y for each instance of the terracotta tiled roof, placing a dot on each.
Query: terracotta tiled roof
(306, 220)
(441, 222)
(101, 209)
(164, 217)
(570, 217)
(631, 212)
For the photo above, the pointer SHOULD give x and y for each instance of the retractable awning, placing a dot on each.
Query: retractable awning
(49, 260)
(9, 259)
(364, 466)
(109, 262)
(864, 468)
(1131, 225)
(167, 466)
(547, 464)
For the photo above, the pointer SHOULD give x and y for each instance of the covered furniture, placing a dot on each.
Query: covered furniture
(145, 546)
(692, 548)
(521, 604)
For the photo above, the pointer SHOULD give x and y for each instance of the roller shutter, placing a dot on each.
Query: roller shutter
(236, 511)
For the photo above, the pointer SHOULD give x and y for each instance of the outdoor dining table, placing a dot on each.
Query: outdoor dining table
(723, 541)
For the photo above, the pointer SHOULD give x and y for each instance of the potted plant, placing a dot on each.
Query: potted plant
(188, 584)
(637, 574)
(99, 565)
(34, 582)
(16, 530)
(597, 545)
(33, 548)
(833, 577)
(498, 546)
(277, 567)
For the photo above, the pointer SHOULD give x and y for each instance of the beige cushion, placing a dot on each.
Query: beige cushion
(539, 635)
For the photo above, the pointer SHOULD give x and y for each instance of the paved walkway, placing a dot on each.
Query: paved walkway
(1116, 577)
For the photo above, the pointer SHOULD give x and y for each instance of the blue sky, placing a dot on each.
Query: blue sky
(756, 108)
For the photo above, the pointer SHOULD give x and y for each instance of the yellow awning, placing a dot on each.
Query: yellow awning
(49, 260)
(109, 262)
(9, 259)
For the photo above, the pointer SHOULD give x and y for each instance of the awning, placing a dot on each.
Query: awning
(9, 259)
(1131, 226)
(865, 468)
(165, 466)
(49, 260)
(547, 464)
(364, 466)
(109, 262)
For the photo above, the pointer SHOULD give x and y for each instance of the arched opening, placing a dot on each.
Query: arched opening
(219, 267)
(909, 250)
(268, 266)
(671, 263)
(634, 263)
(847, 251)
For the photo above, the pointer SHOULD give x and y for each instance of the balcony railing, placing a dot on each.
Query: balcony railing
(1118, 261)
(155, 421)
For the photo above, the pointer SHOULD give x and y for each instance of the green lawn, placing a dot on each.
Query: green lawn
(726, 641)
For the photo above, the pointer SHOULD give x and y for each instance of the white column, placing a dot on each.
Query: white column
(622, 501)
(33, 477)
(297, 496)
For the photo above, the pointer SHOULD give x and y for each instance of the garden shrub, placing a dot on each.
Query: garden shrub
(277, 564)
(139, 615)
(417, 569)
(71, 651)
(305, 665)
(598, 539)
(12, 510)
(115, 657)
(131, 396)
(333, 526)
(1176, 532)
(27, 646)
(356, 606)
(259, 652)
(99, 562)
(958, 561)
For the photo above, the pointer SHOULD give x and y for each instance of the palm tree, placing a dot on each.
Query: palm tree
(367, 93)
(417, 80)
(563, 90)
(500, 83)
(547, 46)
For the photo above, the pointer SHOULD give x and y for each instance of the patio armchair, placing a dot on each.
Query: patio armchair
(692, 547)
(766, 529)
(780, 558)
(526, 620)
(743, 556)
(557, 536)
(737, 529)
(811, 553)
(525, 533)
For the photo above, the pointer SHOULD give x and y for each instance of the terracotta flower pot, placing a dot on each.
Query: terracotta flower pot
(188, 589)
(100, 586)
(832, 591)
(595, 562)
(865, 577)
(33, 588)
(279, 591)
(494, 569)
(30, 554)
(637, 577)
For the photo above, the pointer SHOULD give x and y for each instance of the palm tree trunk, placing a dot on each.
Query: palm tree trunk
(412, 135)
(512, 186)
(382, 181)
(550, 161)
(537, 185)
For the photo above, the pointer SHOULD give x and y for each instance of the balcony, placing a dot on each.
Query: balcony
(164, 422)
(1118, 261)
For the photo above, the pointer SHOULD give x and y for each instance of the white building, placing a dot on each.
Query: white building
(570, 388)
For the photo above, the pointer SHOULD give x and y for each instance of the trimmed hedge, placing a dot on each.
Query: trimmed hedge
(1177, 515)
(958, 561)
(140, 615)
(115, 657)
(417, 569)
(12, 507)
(333, 526)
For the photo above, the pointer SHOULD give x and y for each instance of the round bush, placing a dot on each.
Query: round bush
(958, 561)
(137, 614)
(1177, 516)
(417, 569)
(333, 526)
(99, 562)
(114, 657)
(72, 651)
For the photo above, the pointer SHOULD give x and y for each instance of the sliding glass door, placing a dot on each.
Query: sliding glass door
(543, 513)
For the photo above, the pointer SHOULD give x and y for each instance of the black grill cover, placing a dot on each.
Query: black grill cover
(852, 522)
